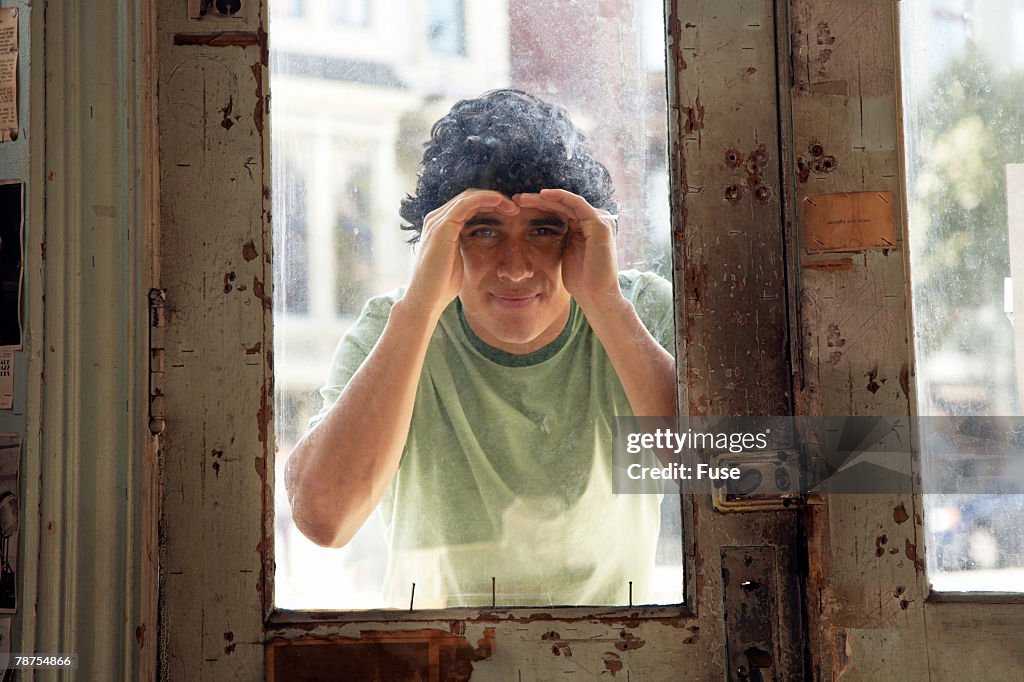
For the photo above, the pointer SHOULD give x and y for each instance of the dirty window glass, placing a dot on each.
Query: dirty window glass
(446, 26)
(355, 92)
(963, 71)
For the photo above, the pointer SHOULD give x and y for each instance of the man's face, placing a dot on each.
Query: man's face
(512, 292)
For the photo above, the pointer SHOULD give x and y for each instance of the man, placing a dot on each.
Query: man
(475, 406)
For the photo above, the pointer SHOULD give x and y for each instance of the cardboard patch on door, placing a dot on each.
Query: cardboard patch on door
(850, 221)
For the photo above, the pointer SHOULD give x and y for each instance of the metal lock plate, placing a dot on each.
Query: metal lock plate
(767, 480)
(751, 623)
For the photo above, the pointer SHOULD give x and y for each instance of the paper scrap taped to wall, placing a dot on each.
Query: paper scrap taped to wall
(8, 74)
(849, 221)
(6, 379)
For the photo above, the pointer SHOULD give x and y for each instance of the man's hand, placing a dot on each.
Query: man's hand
(589, 264)
(437, 278)
(590, 274)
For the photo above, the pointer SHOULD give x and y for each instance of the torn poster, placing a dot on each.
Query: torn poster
(12, 212)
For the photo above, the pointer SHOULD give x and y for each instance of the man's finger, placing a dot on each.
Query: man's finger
(556, 207)
(454, 214)
(578, 204)
(467, 205)
(573, 206)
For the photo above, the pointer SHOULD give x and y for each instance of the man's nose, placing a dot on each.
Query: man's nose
(514, 263)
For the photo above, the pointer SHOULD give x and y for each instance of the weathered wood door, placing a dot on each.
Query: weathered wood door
(871, 614)
(769, 103)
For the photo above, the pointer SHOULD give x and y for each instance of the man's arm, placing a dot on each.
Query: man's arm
(590, 273)
(340, 470)
(647, 371)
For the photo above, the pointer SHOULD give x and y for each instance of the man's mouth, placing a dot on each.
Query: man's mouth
(514, 300)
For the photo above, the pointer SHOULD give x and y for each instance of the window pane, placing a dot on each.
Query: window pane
(963, 95)
(350, 114)
(292, 209)
(446, 27)
(349, 12)
(283, 9)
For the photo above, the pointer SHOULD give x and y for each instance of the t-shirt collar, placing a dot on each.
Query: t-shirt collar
(511, 359)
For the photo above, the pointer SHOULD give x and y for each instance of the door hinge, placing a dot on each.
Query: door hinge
(157, 325)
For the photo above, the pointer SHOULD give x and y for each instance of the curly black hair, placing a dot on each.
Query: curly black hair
(508, 141)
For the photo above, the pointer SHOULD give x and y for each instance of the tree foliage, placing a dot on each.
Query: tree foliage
(966, 128)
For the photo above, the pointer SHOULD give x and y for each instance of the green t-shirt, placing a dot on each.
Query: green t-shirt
(506, 471)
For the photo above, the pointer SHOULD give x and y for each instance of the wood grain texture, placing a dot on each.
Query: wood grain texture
(866, 585)
(731, 285)
(215, 209)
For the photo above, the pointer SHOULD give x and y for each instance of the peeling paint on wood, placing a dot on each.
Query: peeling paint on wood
(731, 284)
(213, 576)
(694, 117)
(911, 552)
(865, 590)
(840, 653)
(905, 379)
(259, 292)
(260, 106)
(249, 251)
(629, 642)
(264, 416)
(612, 663)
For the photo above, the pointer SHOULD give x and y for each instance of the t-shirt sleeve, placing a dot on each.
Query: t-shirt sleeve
(353, 348)
(651, 297)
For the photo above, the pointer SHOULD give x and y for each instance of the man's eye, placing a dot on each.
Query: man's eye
(556, 231)
(481, 233)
